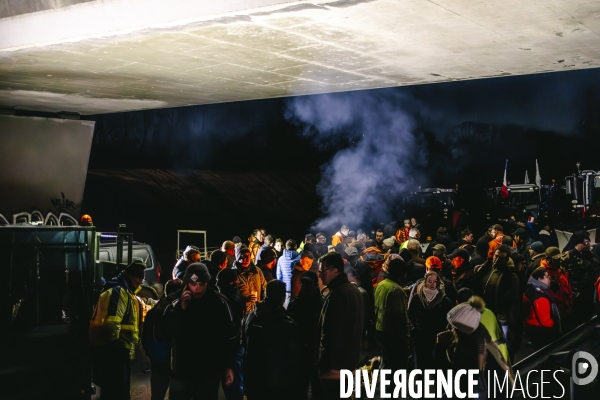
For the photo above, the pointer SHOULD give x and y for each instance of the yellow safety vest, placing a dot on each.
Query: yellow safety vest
(117, 317)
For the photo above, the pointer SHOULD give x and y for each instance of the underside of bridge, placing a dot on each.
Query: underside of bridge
(94, 57)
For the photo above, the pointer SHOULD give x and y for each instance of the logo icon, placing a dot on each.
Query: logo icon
(583, 363)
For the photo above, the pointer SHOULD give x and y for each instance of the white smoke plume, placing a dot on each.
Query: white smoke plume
(378, 157)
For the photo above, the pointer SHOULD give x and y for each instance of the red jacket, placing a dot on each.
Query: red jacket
(560, 288)
(540, 308)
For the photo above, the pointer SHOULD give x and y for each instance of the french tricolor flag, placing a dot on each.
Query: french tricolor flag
(504, 190)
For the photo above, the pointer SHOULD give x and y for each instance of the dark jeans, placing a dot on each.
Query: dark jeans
(160, 379)
(309, 376)
(235, 391)
(394, 352)
(201, 387)
(114, 371)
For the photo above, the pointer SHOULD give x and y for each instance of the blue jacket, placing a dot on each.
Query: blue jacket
(264, 246)
(285, 266)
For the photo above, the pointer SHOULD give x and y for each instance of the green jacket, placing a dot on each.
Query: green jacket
(391, 309)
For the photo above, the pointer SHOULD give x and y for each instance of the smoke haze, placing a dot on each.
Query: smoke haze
(375, 165)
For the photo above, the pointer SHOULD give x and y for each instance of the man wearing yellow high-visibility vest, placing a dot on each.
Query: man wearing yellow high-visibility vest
(115, 330)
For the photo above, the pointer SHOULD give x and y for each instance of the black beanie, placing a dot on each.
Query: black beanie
(275, 292)
(239, 251)
(397, 268)
(136, 269)
(310, 276)
(267, 255)
(196, 272)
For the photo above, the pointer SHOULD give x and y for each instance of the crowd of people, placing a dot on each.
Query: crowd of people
(272, 319)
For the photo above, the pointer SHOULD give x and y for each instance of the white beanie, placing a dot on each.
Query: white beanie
(464, 317)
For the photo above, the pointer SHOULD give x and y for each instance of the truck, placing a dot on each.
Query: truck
(432, 207)
(53, 276)
(522, 199)
(583, 192)
(51, 282)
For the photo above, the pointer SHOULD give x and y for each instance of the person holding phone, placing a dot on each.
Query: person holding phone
(198, 322)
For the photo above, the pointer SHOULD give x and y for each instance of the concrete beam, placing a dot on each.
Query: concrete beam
(119, 55)
(75, 20)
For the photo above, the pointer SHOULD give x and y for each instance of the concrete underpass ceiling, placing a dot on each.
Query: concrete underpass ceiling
(96, 57)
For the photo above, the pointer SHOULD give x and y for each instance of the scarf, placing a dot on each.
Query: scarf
(430, 294)
(430, 297)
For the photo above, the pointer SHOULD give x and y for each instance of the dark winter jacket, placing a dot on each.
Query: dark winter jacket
(462, 244)
(203, 336)
(179, 268)
(341, 326)
(428, 321)
(305, 310)
(267, 273)
(237, 303)
(474, 352)
(534, 262)
(213, 270)
(477, 259)
(449, 288)
(416, 269)
(157, 351)
(500, 288)
(273, 349)
(321, 250)
(523, 248)
(364, 275)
